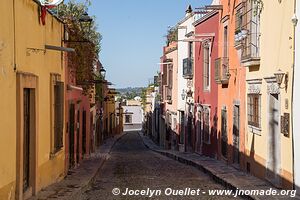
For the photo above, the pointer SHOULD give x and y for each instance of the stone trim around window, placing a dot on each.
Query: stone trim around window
(254, 87)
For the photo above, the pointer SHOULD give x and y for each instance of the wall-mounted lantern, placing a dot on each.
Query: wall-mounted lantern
(183, 94)
(279, 75)
(85, 19)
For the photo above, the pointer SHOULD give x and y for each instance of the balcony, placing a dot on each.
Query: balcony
(222, 71)
(188, 68)
(249, 35)
(168, 94)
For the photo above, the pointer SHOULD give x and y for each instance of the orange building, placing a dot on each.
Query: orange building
(230, 76)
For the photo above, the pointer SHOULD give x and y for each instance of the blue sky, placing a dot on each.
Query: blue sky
(133, 36)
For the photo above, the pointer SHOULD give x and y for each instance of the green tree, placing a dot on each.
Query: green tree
(172, 35)
(83, 37)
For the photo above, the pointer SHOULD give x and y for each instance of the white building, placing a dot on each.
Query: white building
(185, 57)
(133, 117)
(296, 100)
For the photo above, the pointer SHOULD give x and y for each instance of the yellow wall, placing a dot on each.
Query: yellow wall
(29, 34)
(7, 105)
(276, 52)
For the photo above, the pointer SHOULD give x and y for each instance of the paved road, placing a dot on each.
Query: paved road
(131, 165)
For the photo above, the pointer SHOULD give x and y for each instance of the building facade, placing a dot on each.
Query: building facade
(32, 79)
(268, 137)
(296, 98)
(169, 136)
(132, 117)
(185, 79)
(205, 98)
(230, 76)
(77, 117)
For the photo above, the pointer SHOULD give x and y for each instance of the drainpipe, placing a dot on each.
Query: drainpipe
(14, 35)
(292, 96)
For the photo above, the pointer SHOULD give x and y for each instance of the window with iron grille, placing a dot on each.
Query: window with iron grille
(251, 26)
(254, 103)
(206, 124)
(206, 66)
(58, 115)
(238, 20)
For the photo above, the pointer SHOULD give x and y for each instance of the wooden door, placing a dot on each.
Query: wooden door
(236, 134)
(26, 140)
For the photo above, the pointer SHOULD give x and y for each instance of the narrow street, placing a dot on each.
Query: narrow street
(131, 165)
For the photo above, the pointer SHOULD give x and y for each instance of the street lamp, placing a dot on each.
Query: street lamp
(103, 72)
(85, 19)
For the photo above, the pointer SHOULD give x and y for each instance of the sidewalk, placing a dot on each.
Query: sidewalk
(79, 178)
(226, 175)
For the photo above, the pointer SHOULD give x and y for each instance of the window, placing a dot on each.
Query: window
(206, 124)
(225, 52)
(206, 66)
(254, 109)
(191, 53)
(170, 76)
(238, 20)
(58, 115)
(251, 24)
(128, 119)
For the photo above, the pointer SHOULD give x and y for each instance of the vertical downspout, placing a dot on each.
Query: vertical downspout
(292, 99)
(14, 36)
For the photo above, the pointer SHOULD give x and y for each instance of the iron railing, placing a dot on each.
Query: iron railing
(222, 70)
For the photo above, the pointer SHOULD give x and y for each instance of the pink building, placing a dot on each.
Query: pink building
(168, 134)
(205, 88)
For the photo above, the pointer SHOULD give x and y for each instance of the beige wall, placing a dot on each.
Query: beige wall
(276, 52)
(31, 57)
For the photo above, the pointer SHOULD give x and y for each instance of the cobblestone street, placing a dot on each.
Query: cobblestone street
(131, 165)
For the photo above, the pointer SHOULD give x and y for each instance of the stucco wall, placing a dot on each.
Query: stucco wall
(276, 52)
(136, 111)
(29, 34)
(296, 101)
(202, 96)
(7, 106)
(186, 27)
(233, 93)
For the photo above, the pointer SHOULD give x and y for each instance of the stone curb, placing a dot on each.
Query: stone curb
(216, 177)
(89, 175)
(93, 177)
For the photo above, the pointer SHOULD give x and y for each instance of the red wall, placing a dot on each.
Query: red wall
(81, 102)
(210, 25)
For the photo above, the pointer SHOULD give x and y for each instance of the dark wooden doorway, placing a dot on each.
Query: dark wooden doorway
(189, 132)
(71, 135)
(224, 135)
(236, 135)
(83, 132)
(77, 136)
(26, 139)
